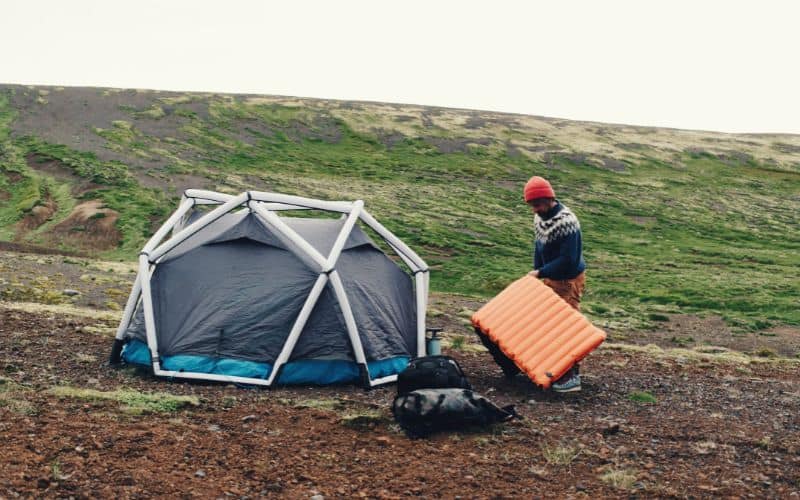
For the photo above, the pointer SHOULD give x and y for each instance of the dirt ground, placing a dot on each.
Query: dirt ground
(715, 428)
(649, 422)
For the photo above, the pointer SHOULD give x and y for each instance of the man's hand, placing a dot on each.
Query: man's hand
(534, 273)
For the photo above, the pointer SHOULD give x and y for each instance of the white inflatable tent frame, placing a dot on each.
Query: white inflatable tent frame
(265, 205)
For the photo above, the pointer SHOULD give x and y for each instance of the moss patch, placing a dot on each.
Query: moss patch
(133, 401)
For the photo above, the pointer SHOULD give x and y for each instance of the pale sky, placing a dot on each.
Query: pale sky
(731, 66)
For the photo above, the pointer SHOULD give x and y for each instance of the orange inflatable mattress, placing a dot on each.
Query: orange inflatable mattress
(537, 330)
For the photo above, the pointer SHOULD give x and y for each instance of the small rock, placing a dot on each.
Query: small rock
(213, 428)
(69, 292)
(249, 418)
(200, 473)
(580, 487)
(317, 497)
(276, 486)
(539, 472)
(93, 381)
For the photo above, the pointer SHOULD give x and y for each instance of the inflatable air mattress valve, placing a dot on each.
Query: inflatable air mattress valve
(537, 330)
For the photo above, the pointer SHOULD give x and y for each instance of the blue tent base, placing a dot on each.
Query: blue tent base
(317, 372)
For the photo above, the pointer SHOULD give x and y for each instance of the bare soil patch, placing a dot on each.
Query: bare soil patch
(456, 145)
(643, 221)
(512, 150)
(786, 148)
(90, 226)
(404, 118)
(36, 217)
(389, 138)
(475, 121)
(51, 168)
(322, 128)
(612, 164)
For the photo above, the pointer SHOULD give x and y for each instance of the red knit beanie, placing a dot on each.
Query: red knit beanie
(538, 187)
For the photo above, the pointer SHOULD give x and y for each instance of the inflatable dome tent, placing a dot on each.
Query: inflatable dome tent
(240, 294)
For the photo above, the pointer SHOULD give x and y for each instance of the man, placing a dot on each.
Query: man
(557, 255)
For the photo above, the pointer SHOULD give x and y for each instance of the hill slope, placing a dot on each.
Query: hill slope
(674, 221)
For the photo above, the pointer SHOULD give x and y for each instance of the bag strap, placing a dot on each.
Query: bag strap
(438, 405)
(511, 410)
(453, 362)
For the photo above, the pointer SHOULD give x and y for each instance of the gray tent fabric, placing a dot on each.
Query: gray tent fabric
(228, 227)
(325, 334)
(320, 233)
(212, 299)
(233, 291)
(379, 305)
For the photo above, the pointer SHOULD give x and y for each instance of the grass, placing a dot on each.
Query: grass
(319, 404)
(765, 352)
(38, 291)
(559, 454)
(622, 479)
(363, 419)
(55, 470)
(700, 354)
(86, 358)
(12, 396)
(353, 417)
(68, 309)
(642, 397)
(132, 401)
(462, 210)
(457, 342)
(682, 341)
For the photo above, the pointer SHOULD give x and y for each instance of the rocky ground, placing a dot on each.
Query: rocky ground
(649, 421)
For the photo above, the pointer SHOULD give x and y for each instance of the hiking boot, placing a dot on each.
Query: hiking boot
(568, 384)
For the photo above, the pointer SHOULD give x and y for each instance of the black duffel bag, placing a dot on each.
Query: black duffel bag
(431, 372)
(425, 411)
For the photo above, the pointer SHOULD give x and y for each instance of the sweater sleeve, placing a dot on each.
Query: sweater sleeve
(567, 257)
(537, 256)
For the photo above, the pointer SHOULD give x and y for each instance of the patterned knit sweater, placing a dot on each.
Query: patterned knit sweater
(557, 251)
